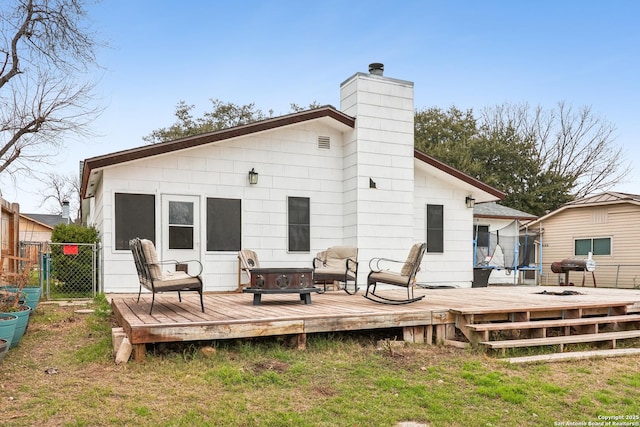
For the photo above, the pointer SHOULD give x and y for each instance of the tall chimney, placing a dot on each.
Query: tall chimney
(65, 211)
(376, 68)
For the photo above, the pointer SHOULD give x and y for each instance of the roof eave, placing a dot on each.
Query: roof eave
(424, 157)
(138, 153)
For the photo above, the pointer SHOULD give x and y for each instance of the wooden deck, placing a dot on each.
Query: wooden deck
(431, 320)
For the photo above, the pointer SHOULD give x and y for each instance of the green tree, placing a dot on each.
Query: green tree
(446, 135)
(494, 153)
(222, 115)
(295, 108)
(540, 158)
(508, 160)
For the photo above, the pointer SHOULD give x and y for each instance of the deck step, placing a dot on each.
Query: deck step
(581, 321)
(561, 340)
(574, 355)
(543, 308)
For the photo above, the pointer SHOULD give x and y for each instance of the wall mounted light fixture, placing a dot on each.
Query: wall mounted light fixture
(470, 201)
(253, 176)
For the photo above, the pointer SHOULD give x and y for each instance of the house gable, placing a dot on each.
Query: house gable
(91, 169)
(606, 198)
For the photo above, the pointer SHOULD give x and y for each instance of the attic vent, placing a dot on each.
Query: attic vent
(600, 216)
(324, 142)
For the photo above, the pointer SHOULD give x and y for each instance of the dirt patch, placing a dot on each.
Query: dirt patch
(270, 365)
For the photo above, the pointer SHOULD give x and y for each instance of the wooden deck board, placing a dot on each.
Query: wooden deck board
(574, 355)
(234, 315)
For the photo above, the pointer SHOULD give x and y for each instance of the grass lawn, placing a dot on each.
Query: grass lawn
(63, 374)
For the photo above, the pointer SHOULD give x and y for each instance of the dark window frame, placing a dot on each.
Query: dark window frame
(435, 228)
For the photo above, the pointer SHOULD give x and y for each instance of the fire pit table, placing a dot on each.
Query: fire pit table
(281, 281)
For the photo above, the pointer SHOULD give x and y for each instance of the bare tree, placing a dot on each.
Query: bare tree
(45, 52)
(59, 189)
(577, 145)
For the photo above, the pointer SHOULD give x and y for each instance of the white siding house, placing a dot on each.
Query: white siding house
(326, 177)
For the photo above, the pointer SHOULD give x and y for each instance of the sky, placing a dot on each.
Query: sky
(470, 54)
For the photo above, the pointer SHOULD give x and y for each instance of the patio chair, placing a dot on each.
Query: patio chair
(406, 277)
(337, 264)
(154, 279)
(247, 260)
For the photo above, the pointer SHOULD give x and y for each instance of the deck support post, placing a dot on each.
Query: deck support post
(428, 336)
(440, 334)
(413, 334)
(298, 341)
(139, 352)
(450, 331)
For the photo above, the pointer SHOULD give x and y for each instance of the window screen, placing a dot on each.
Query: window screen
(299, 228)
(435, 228)
(135, 216)
(224, 224)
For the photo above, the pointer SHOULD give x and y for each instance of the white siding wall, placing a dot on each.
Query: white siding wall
(453, 267)
(289, 163)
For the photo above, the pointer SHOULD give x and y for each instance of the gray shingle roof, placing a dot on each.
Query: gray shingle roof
(46, 219)
(492, 209)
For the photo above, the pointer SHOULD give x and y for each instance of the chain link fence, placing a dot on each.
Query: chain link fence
(621, 276)
(69, 270)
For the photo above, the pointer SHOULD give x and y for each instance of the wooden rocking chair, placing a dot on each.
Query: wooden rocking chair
(406, 277)
(247, 260)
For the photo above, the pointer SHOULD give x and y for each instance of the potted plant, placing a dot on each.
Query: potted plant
(4, 348)
(32, 291)
(11, 304)
(29, 294)
(7, 327)
(12, 298)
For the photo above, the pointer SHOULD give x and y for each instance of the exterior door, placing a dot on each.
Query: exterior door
(180, 227)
